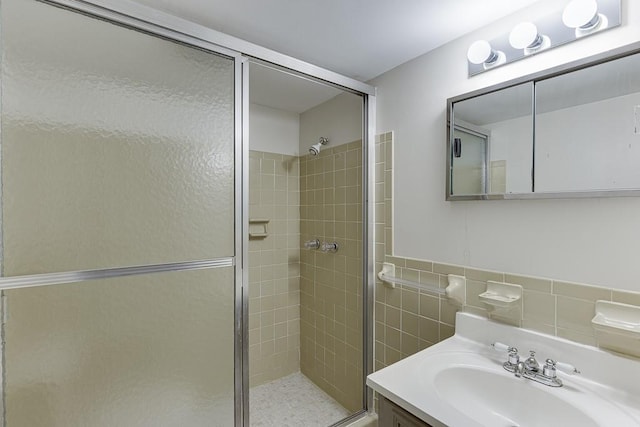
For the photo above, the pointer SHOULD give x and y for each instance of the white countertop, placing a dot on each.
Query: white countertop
(609, 383)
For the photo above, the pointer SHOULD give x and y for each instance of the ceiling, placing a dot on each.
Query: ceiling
(273, 88)
(357, 38)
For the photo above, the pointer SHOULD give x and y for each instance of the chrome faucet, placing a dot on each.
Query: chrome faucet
(530, 368)
(531, 364)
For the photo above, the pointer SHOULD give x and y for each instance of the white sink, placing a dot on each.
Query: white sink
(499, 400)
(460, 382)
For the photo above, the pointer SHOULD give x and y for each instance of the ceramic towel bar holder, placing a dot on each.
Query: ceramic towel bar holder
(455, 290)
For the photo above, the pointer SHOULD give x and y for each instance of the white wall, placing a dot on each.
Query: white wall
(339, 119)
(273, 130)
(591, 240)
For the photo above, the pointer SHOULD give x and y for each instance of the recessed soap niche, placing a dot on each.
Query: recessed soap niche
(258, 228)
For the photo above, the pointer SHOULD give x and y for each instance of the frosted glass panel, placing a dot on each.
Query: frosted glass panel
(153, 350)
(117, 147)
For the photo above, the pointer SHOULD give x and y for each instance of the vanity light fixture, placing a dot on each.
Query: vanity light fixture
(568, 21)
(583, 15)
(481, 52)
(525, 36)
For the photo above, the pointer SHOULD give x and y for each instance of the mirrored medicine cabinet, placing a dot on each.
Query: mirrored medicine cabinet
(573, 131)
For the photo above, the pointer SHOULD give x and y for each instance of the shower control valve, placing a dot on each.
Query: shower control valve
(312, 244)
(329, 247)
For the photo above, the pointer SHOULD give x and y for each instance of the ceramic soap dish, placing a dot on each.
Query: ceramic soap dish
(617, 327)
(501, 296)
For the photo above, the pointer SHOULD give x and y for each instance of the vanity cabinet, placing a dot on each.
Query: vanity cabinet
(391, 415)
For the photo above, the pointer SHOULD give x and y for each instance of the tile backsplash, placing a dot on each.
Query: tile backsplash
(408, 320)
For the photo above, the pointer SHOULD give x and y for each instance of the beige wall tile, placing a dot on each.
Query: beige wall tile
(446, 331)
(575, 314)
(575, 290)
(632, 298)
(399, 262)
(416, 264)
(447, 312)
(410, 323)
(576, 336)
(539, 307)
(530, 283)
(410, 301)
(429, 330)
(538, 326)
(448, 269)
(331, 210)
(483, 275)
(475, 288)
(429, 306)
(430, 278)
(274, 272)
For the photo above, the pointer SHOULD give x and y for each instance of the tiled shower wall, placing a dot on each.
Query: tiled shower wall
(274, 267)
(331, 283)
(407, 320)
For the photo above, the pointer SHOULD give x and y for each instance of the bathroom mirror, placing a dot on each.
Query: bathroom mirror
(573, 131)
(587, 135)
(492, 143)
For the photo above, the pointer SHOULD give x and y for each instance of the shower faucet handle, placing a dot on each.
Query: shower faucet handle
(312, 244)
(329, 247)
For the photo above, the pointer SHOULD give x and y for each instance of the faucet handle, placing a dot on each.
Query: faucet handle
(514, 358)
(329, 247)
(312, 244)
(498, 346)
(549, 369)
(567, 368)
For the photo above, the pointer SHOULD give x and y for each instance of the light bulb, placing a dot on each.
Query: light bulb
(525, 36)
(480, 52)
(584, 17)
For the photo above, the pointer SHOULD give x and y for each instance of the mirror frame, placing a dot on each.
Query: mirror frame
(580, 64)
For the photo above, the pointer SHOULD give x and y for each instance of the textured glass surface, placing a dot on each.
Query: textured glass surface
(152, 350)
(117, 147)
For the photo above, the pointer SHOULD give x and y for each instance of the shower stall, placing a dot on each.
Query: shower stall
(306, 272)
(153, 270)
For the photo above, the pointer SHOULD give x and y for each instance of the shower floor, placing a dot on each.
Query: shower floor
(293, 401)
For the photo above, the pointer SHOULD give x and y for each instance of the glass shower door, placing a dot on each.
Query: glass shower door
(118, 217)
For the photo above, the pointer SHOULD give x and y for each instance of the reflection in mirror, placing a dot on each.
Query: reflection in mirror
(469, 165)
(491, 143)
(587, 135)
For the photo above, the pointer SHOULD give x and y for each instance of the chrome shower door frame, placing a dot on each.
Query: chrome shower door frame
(164, 25)
(368, 94)
(146, 23)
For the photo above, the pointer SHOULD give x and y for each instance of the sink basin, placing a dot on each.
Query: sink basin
(460, 382)
(479, 388)
(499, 400)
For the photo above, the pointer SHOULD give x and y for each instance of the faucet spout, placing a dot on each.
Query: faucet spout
(519, 369)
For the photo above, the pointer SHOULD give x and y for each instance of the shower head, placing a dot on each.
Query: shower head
(315, 148)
